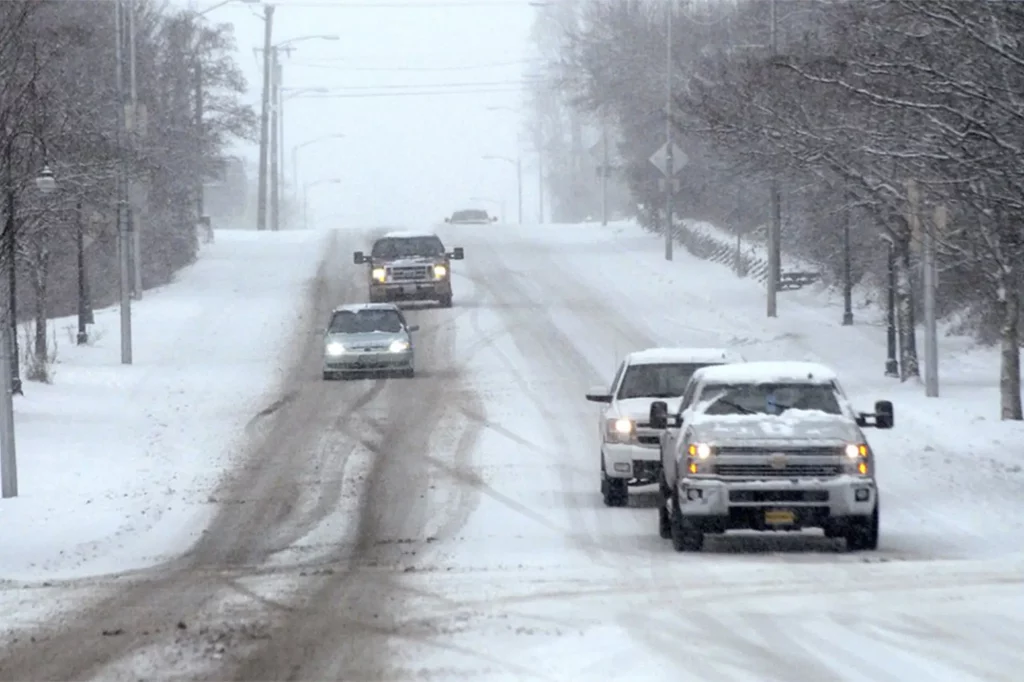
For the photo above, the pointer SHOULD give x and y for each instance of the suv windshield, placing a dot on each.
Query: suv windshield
(365, 321)
(407, 247)
(771, 399)
(472, 214)
(664, 380)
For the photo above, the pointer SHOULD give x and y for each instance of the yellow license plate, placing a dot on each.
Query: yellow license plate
(778, 517)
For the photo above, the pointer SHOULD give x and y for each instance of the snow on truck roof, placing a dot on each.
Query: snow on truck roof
(767, 372)
(356, 307)
(407, 234)
(658, 356)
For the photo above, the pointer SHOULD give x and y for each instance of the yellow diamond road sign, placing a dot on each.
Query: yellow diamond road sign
(660, 159)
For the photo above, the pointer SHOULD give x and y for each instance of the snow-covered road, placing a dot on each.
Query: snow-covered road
(449, 527)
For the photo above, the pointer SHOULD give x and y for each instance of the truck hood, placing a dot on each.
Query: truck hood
(367, 340)
(639, 409)
(795, 426)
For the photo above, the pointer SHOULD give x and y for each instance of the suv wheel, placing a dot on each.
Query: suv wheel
(664, 520)
(685, 536)
(862, 534)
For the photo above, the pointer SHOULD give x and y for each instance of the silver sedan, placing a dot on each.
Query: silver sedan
(368, 338)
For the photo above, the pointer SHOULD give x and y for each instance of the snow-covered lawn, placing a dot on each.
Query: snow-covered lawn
(116, 463)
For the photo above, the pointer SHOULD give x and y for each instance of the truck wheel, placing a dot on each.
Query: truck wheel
(614, 490)
(664, 520)
(685, 537)
(446, 301)
(862, 534)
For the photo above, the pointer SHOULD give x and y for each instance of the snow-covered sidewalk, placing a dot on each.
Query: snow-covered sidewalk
(116, 463)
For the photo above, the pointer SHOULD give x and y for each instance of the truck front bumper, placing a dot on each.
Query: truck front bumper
(639, 463)
(717, 504)
(412, 291)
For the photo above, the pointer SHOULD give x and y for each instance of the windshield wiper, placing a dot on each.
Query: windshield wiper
(736, 406)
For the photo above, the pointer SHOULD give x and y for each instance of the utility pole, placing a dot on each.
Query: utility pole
(275, 163)
(519, 185)
(540, 186)
(775, 227)
(137, 210)
(268, 36)
(847, 272)
(200, 136)
(892, 366)
(670, 173)
(123, 225)
(280, 138)
(604, 174)
(931, 334)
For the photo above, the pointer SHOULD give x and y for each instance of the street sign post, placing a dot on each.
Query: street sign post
(660, 159)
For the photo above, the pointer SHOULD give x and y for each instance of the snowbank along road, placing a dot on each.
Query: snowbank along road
(449, 527)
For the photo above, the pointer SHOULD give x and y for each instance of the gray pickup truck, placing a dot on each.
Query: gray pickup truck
(767, 446)
(409, 266)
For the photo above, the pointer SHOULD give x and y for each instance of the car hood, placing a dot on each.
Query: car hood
(795, 426)
(639, 409)
(411, 260)
(367, 340)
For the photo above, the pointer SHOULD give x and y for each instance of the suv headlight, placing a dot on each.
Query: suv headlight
(619, 430)
(335, 348)
(398, 346)
(440, 271)
(379, 274)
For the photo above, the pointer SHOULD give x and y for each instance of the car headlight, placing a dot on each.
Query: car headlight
(379, 274)
(857, 458)
(335, 348)
(440, 271)
(398, 346)
(855, 451)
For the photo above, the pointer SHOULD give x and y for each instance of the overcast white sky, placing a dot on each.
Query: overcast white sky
(406, 159)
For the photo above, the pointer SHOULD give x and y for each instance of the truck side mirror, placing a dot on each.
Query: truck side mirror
(494, 219)
(457, 253)
(659, 415)
(358, 258)
(884, 417)
(447, 220)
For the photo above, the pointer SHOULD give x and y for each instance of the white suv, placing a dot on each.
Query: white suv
(630, 453)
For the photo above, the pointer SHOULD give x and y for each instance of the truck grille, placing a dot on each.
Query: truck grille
(789, 471)
(761, 451)
(408, 273)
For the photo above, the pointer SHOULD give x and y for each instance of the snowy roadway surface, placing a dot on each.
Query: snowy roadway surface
(449, 527)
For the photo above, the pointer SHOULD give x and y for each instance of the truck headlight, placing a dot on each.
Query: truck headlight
(619, 429)
(398, 346)
(440, 271)
(335, 348)
(379, 274)
(855, 451)
(699, 450)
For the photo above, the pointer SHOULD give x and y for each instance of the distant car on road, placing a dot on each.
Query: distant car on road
(768, 446)
(368, 337)
(471, 216)
(410, 266)
(629, 446)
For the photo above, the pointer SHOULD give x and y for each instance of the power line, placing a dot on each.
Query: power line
(407, 4)
(411, 93)
(333, 65)
(414, 86)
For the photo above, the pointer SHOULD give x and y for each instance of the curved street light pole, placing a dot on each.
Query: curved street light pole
(302, 145)
(305, 196)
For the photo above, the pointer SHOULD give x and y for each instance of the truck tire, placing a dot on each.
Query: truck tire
(685, 537)
(614, 491)
(446, 301)
(862, 534)
(664, 520)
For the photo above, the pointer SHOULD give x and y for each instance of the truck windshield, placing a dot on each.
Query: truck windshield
(365, 322)
(771, 399)
(469, 215)
(407, 247)
(662, 380)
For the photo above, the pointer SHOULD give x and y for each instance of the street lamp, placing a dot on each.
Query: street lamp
(892, 366)
(226, 2)
(45, 184)
(276, 101)
(305, 196)
(301, 145)
(518, 163)
(538, 142)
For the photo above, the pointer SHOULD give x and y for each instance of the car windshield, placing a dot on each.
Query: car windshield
(773, 398)
(662, 380)
(473, 214)
(407, 247)
(365, 321)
